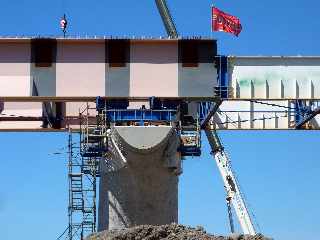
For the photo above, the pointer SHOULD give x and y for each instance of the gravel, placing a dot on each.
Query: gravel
(167, 232)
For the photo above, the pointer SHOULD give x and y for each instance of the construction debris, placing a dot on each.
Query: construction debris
(167, 232)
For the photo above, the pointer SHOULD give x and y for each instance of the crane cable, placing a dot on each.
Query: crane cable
(271, 104)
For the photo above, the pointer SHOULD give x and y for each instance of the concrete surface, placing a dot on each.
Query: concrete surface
(145, 189)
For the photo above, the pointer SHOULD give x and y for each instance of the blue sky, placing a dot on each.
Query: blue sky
(278, 170)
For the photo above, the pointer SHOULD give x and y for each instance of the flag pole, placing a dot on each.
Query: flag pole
(211, 21)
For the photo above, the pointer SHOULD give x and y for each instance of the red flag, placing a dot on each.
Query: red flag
(224, 22)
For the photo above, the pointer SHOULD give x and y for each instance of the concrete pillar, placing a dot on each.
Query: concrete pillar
(144, 190)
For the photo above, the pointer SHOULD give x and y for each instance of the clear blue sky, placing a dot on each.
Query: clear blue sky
(279, 171)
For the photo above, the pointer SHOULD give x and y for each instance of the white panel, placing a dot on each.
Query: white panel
(74, 108)
(260, 89)
(274, 85)
(316, 87)
(15, 86)
(154, 70)
(15, 58)
(25, 125)
(289, 88)
(236, 120)
(275, 77)
(254, 115)
(243, 88)
(197, 82)
(21, 109)
(80, 69)
(269, 121)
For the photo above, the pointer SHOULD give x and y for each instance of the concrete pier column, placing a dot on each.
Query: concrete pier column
(144, 190)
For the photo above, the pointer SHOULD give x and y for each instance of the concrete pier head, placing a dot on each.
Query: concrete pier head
(144, 190)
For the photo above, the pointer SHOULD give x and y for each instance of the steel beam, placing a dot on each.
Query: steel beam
(137, 99)
(93, 99)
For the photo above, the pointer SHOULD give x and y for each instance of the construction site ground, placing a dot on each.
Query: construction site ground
(168, 232)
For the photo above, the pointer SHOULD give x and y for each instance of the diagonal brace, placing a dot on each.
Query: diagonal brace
(309, 117)
(213, 109)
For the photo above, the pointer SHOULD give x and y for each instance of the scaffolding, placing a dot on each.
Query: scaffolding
(83, 170)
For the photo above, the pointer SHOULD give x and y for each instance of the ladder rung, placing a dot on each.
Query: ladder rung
(75, 174)
(77, 208)
(76, 186)
(76, 190)
(87, 223)
(77, 199)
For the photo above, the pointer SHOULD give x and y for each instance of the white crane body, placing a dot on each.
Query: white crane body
(233, 192)
(231, 185)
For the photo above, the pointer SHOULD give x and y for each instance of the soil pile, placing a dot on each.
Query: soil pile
(166, 232)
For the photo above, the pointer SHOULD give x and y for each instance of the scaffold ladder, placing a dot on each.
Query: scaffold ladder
(83, 171)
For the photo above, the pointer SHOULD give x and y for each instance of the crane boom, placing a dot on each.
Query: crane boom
(167, 18)
(234, 195)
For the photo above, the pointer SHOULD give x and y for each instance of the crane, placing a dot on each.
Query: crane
(167, 18)
(234, 195)
(223, 162)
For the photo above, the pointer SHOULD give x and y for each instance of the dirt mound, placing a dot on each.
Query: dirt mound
(166, 232)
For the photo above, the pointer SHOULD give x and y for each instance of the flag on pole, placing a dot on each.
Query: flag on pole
(225, 22)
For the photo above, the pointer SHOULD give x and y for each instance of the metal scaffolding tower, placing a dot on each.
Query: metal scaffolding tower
(84, 158)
